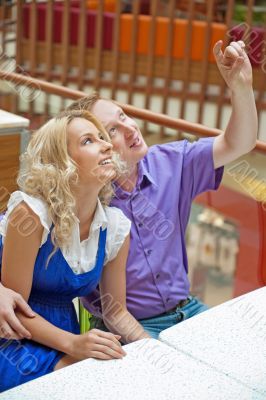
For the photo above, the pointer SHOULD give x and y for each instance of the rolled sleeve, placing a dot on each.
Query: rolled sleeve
(198, 165)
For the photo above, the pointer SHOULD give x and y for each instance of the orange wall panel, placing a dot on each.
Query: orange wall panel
(218, 31)
(161, 36)
(125, 33)
(198, 39)
(109, 5)
(144, 23)
(180, 31)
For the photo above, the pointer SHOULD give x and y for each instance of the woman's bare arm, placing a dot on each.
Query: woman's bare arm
(113, 298)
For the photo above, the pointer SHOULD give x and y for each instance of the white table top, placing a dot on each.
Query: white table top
(194, 367)
(230, 338)
(8, 120)
(150, 371)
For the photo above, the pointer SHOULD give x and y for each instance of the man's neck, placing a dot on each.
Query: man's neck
(128, 181)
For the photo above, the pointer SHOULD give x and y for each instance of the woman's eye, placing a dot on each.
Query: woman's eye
(87, 141)
(122, 116)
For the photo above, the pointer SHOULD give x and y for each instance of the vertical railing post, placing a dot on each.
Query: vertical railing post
(65, 45)
(49, 24)
(98, 44)
(205, 62)
(150, 56)
(186, 61)
(82, 30)
(168, 60)
(115, 48)
(133, 50)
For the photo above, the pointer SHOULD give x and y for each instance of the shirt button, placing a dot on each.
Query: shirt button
(157, 276)
(167, 300)
(140, 225)
(149, 252)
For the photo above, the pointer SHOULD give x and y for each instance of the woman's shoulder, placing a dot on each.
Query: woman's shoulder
(21, 203)
(33, 202)
(37, 205)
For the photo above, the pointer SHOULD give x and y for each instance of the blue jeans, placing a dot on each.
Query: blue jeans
(161, 322)
(153, 326)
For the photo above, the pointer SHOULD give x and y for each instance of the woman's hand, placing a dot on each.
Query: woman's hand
(96, 344)
(10, 325)
(234, 64)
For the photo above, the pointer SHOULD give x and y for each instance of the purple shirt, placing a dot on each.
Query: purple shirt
(170, 177)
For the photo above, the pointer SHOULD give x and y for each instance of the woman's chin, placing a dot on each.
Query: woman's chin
(108, 176)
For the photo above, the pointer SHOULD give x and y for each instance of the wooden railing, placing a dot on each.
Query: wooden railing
(149, 50)
(36, 85)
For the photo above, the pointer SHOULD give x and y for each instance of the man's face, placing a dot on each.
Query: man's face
(126, 137)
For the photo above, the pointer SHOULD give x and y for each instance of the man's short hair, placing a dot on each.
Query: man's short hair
(85, 103)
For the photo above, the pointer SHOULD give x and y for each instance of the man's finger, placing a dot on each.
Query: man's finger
(238, 47)
(231, 52)
(24, 307)
(7, 333)
(217, 50)
(18, 328)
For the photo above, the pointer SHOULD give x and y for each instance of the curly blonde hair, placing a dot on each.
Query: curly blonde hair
(50, 174)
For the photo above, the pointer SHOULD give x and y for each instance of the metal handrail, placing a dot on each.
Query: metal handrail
(160, 119)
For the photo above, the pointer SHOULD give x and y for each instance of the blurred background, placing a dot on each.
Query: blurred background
(155, 55)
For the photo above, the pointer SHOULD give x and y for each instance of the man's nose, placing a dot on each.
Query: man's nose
(129, 131)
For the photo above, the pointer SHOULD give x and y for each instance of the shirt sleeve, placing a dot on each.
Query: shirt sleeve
(199, 174)
(117, 230)
(37, 205)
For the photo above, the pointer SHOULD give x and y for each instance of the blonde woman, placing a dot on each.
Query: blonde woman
(58, 238)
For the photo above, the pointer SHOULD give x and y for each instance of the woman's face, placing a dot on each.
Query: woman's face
(92, 154)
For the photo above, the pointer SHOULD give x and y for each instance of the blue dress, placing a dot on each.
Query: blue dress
(53, 289)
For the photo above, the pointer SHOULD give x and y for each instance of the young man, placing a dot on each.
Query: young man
(156, 195)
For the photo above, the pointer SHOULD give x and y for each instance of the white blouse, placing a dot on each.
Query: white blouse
(81, 256)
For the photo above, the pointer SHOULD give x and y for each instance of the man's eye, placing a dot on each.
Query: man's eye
(112, 132)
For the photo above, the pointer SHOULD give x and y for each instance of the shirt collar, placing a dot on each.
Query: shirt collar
(100, 219)
(144, 175)
(144, 179)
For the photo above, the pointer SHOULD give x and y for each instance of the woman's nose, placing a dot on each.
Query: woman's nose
(106, 146)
